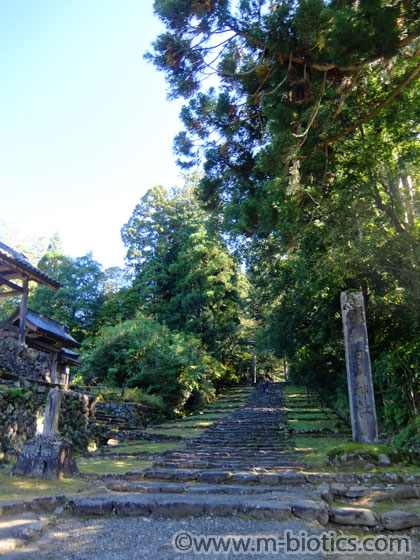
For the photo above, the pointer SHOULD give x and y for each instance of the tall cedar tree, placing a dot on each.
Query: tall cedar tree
(184, 275)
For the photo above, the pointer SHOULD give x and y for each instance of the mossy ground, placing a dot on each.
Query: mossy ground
(410, 506)
(195, 424)
(182, 432)
(141, 447)
(332, 424)
(369, 452)
(301, 405)
(112, 466)
(318, 449)
(19, 488)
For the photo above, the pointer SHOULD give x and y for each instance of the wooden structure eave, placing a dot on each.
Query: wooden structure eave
(15, 266)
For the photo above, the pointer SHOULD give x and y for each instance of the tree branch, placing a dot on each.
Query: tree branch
(385, 208)
(377, 109)
(332, 65)
(314, 114)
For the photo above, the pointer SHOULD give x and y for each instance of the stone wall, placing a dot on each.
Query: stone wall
(136, 415)
(22, 407)
(18, 416)
(22, 360)
(77, 420)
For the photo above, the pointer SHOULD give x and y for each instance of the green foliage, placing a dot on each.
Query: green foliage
(142, 353)
(409, 437)
(397, 375)
(135, 395)
(184, 275)
(17, 396)
(310, 145)
(76, 304)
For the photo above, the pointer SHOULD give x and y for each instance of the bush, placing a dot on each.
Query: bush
(409, 437)
(397, 379)
(142, 353)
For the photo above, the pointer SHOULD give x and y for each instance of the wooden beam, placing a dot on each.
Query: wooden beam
(29, 272)
(53, 367)
(10, 284)
(10, 274)
(23, 311)
(12, 293)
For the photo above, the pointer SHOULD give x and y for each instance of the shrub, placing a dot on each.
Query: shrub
(142, 353)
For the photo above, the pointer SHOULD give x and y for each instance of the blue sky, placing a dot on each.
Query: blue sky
(85, 125)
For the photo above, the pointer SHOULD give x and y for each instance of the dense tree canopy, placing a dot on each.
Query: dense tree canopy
(293, 79)
(176, 330)
(184, 275)
(309, 139)
(141, 352)
(77, 303)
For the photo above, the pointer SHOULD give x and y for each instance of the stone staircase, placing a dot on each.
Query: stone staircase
(245, 464)
(248, 441)
(242, 465)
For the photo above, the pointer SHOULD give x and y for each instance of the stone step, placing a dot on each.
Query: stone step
(286, 475)
(168, 505)
(274, 507)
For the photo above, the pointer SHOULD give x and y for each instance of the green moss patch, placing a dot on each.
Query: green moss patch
(315, 449)
(369, 453)
(311, 417)
(142, 448)
(300, 425)
(112, 466)
(21, 488)
(193, 432)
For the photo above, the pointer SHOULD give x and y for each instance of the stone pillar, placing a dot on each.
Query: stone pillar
(47, 455)
(254, 368)
(52, 413)
(359, 374)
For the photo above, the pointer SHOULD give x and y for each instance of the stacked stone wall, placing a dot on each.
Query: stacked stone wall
(21, 360)
(139, 415)
(21, 408)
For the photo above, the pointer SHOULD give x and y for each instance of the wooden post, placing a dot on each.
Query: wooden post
(23, 311)
(285, 370)
(359, 374)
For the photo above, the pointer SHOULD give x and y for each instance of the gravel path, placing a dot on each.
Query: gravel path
(149, 539)
(142, 538)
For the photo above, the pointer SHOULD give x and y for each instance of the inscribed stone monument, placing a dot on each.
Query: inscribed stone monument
(359, 374)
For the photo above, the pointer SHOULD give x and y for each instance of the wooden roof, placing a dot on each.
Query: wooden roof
(15, 266)
(43, 330)
(66, 356)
